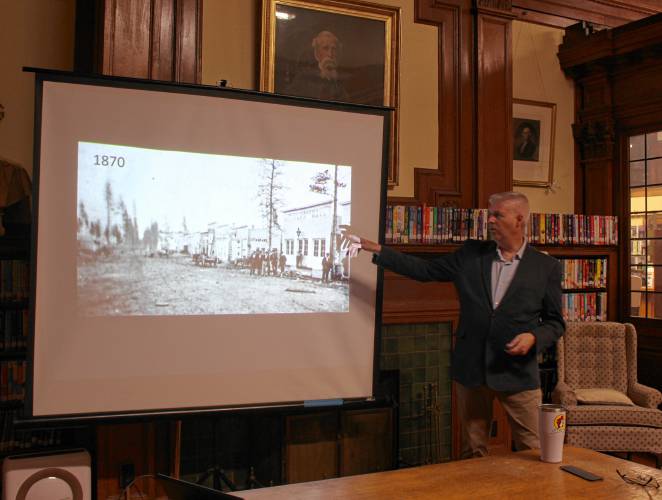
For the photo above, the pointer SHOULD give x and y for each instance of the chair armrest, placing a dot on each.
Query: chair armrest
(564, 394)
(645, 396)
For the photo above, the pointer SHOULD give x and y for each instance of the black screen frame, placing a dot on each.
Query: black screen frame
(45, 75)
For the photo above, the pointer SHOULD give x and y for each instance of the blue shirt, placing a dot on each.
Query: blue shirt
(503, 272)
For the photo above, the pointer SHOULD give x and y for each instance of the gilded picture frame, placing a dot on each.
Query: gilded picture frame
(333, 50)
(534, 123)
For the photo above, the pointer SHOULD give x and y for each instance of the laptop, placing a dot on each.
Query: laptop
(176, 489)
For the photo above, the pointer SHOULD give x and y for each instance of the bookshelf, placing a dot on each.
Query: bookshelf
(14, 325)
(14, 334)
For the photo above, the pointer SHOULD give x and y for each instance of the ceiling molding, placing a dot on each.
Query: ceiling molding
(600, 13)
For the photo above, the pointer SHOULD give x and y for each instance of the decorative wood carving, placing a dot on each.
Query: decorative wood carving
(596, 139)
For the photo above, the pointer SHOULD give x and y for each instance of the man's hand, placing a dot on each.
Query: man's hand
(350, 242)
(521, 344)
(354, 243)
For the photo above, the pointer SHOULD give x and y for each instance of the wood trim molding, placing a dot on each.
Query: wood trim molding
(475, 100)
(494, 90)
(500, 8)
(188, 47)
(161, 59)
(449, 315)
(125, 31)
(450, 184)
(581, 52)
(152, 39)
(603, 13)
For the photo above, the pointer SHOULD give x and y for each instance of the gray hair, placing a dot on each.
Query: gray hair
(326, 34)
(519, 198)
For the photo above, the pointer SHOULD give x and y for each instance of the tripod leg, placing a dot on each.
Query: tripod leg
(223, 477)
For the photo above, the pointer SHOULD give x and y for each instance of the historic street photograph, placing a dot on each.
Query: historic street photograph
(179, 233)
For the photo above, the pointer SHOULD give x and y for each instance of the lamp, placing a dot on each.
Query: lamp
(298, 233)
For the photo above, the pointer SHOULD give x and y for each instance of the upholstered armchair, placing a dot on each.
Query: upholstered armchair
(607, 409)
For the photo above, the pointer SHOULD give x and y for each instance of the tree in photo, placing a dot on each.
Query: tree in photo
(108, 192)
(326, 183)
(269, 196)
(130, 232)
(151, 237)
(83, 219)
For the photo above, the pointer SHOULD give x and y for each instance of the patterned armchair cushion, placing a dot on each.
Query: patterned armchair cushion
(610, 438)
(600, 396)
(595, 355)
(614, 415)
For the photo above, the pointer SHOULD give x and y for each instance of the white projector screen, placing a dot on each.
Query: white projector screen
(185, 256)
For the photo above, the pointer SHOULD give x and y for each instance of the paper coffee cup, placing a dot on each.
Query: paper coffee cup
(551, 431)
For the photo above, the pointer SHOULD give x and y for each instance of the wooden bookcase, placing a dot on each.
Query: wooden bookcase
(14, 323)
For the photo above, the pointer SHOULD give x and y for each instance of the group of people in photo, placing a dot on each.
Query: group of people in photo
(263, 262)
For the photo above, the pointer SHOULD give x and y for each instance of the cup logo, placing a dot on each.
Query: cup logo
(559, 423)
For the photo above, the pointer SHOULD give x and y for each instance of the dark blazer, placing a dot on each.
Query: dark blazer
(532, 303)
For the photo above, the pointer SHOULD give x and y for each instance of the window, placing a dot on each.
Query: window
(645, 173)
(289, 247)
(319, 247)
(305, 247)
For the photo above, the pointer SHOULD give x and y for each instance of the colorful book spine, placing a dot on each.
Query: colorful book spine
(430, 225)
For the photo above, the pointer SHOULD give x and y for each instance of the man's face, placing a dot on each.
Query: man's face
(327, 49)
(505, 222)
(326, 53)
(526, 134)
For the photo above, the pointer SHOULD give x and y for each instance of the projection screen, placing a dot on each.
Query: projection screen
(186, 247)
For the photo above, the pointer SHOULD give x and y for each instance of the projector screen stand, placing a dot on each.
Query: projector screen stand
(218, 478)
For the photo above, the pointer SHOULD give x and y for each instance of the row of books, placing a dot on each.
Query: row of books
(14, 280)
(424, 224)
(13, 440)
(12, 380)
(584, 273)
(14, 327)
(588, 306)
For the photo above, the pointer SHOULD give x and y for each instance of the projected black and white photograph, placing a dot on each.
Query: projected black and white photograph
(179, 233)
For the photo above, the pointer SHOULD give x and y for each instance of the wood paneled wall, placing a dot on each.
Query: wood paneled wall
(154, 39)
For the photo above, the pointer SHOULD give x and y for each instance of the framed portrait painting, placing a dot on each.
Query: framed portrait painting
(333, 50)
(533, 143)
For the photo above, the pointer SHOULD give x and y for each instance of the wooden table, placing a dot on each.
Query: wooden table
(514, 476)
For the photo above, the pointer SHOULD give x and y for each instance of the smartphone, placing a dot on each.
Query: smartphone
(589, 476)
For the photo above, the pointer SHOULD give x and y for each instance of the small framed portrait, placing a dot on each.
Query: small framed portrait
(333, 50)
(533, 143)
